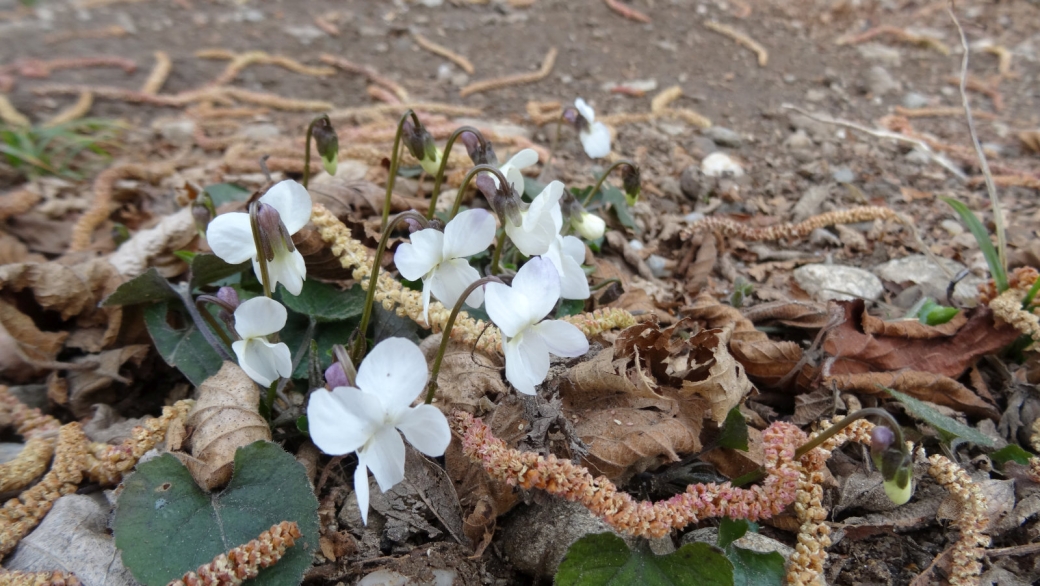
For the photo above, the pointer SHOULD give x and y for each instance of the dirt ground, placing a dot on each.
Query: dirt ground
(901, 81)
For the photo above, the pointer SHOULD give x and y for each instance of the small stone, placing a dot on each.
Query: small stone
(635, 244)
(815, 95)
(826, 282)
(673, 128)
(790, 78)
(880, 81)
(720, 165)
(642, 85)
(692, 182)
(431, 3)
(305, 34)
(914, 100)
(724, 137)
(843, 175)
(177, 131)
(260, 131)
(693, 217)
(799, 140)
(877, 52)
(952, 227)
(657, 266)
(918, 157)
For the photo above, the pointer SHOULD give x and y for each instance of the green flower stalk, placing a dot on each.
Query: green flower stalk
(479, 150)
(630, 176)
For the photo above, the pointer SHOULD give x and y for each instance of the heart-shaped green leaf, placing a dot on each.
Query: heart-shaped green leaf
(948, 428)
(603, 559)
(184, 348)
(325, 302)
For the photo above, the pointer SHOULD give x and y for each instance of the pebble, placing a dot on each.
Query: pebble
(657, 266)
(724, 137)
(799, 140)
(952, 227)
(880, 81)
(260, 131)
(305, 34)
(843, 175)
(177, 131)
(918, 157)
(914, 100)
(815, 95)
(720, 165)
(877, 52)
(823, 282)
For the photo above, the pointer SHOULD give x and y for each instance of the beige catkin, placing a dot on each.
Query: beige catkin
(245, 561)
(1008, 307)
(967, 552)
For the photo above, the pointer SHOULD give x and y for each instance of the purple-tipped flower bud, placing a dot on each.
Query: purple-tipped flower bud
(630, 178)
(881, 439)
(574, 118)
(229, 296)
(480, 151)
(894, 463)
(413, 138)
(201, 215)
(335, 377)
(273, 233)
(504, 201)
(328, 144)
(413, 225)
(436, 224)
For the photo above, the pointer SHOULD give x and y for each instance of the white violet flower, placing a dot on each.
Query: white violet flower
(566, 254)
(370, 419)
(263, 361)
(438, 258)
(231, 235)
(589, 226)
(594, 136)
(540, 224)
(518, 310)
(511, 169)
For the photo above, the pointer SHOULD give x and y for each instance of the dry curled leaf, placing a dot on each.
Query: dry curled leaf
(925, 386)
(23, 346)
(468, 378)
(626, 441)
(856, 351)
(87, 387)
(224, 418)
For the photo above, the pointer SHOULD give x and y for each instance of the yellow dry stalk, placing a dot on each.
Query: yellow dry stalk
(106, 464)
(965, 566)
(160, 72)
(20, 515)
(240, 61)
(806, 564)
(354, 256)
(1008, 307)
(245, 561)
(28, 465)
(104, 185)
(76, 111)
(56, 578)
(11, 115)
(731, 228)
(514, 79)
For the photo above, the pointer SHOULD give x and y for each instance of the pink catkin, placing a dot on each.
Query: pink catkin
(700, 501)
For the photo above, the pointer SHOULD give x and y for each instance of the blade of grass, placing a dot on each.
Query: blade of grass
(985, 244)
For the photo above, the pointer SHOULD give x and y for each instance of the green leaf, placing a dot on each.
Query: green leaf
(570, 307)
(165, 525)
(532, 187)
(325, 302)
(948, 428)
(734, 431)
(149, 287)
(325, 334)
(184, 348)
(208, 268)
(616, 198)
(754, 568)
(985, 244)
(1011, 453)
(731, 530)
(223, 193)
(603, 559)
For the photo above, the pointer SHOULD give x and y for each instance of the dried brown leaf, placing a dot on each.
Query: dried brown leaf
(23, 346)
(627, 441)
(911, 328)
(857, 352)
(767, 362)
(468, 378)
(602, 378)
(86, 387)
(796, 314)
(1031, 139)
(725, 384)
(734, 463)
(925, 386)
(810, 407)
(224, 418)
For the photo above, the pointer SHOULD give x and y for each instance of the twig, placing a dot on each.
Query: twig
(240, 61)
(98, 33)
(515, 79)
(73, 112)
(939, 112)
(661, 100)
(740, 38)
(627, 11)
(159, 73)
(368, 72)
(11, 115)
(998, 212)
(443, 52)
(938, 158)
(902, 35)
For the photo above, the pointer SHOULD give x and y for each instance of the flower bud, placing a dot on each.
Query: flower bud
(894, 462)
(504, 201)
(480, 150)
(229, 296)
(335, 377)
(574, 118)
(342, 372)
(630, 178)
(881, 439)
(328, 144)
(420, 143)
(273, 233)
(589, 226)
(201, 215)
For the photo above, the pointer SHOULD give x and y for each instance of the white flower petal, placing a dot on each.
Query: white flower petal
(361, 488)
(395, 371)
(539, 283)
(596, 141)
(527, 362)
(292, 202)
(573, 282)
(574, 248)
(507, 308)
(426, 428)
(561, 338)
(287, 268)
(259, 316)
(585, 110)
(523, 159)
(449, 282)
(468, 233)
(541, 222)
(384, 456)
(230, 236)
(341, 420)
(514, 177)
(263, 361)
(590, 226)
(421, 255)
